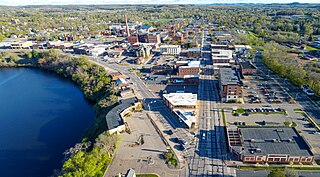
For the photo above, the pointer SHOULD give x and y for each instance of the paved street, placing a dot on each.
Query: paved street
(145, 158)
(211, 146)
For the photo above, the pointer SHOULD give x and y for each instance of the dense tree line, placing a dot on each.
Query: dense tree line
(277, 59)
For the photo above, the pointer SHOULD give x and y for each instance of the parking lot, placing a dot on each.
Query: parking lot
(252, 115)
(260, 89)
(256, 118)
(145, 158)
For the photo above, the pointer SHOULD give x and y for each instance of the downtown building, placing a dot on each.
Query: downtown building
(184, 106)
(230, 85)
(170, 49)
(269, 145)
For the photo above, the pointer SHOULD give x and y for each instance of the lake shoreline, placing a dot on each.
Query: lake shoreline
(98, 126)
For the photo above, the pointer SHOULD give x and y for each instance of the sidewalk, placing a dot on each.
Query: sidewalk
(161, 128)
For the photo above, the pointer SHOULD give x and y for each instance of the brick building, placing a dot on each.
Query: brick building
(269, 145)
(192, 68)
(247, 68)
(230, 85)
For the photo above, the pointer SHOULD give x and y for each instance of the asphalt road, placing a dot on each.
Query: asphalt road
(211, 146)
(210, 150)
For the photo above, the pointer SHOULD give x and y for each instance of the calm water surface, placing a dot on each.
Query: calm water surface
(41, 115)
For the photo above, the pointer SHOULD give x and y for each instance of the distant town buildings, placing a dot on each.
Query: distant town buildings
(222, 58)
(170, 49)
(143, 51)
(194, 53)
(21, 45)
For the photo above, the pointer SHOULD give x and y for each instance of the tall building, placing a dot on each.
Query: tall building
(230, 85)
(133, 39)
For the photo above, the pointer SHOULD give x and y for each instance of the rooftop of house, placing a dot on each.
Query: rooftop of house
(143, 27)
(194, 49)
(273, 140)
(113, 118)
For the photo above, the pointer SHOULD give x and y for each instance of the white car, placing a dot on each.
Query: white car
(203, 136)
(316, 133)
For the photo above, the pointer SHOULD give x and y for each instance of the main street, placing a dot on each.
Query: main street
(211, 151)
(211, 146)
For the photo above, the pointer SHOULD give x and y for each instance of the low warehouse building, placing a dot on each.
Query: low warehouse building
(269, 145)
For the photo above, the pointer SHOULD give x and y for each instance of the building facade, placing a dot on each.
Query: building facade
(170, 49)
(230, 85)
(192, 68)
(269, 145)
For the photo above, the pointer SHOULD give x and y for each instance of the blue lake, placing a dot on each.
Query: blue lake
(41, 115)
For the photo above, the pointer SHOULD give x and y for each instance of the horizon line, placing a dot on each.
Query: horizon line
(258, 3)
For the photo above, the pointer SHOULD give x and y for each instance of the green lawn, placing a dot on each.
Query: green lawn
(224, 117)
(311, 48)
(147, 175)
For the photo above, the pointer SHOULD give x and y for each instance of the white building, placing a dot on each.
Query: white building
(98, 51)
(221, 58)
(170, 49)
(184, 106)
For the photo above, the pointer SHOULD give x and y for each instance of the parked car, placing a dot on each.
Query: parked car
(203, 136)
(316, 133)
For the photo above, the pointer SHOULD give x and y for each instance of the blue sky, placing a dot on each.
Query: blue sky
(63, 2)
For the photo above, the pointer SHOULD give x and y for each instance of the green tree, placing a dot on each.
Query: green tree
(276, 173)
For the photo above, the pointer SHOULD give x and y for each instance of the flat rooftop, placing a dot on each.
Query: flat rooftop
(192, 64)
(177, 99)
(170, 46)
(228, 76)
(187, 116)
(247, 65)
(273, 140)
